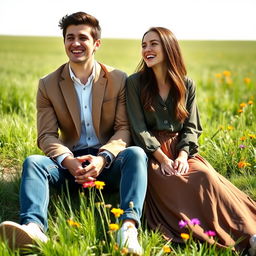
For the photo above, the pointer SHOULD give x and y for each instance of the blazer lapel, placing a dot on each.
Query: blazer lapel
(69, 93)
(98, 92)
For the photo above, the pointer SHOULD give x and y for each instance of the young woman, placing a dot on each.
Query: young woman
(165, 122)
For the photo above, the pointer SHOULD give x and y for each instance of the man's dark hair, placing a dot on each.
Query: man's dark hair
(79, 18)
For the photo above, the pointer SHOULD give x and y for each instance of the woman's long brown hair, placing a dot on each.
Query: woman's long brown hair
(176, 72)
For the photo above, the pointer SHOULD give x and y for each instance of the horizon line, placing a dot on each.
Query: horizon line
(133, 38)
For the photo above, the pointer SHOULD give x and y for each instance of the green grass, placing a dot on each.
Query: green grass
(25, 59)
(82, 228)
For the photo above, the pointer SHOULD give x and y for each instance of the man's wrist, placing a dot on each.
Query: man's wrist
(60, 159)
(107, 159)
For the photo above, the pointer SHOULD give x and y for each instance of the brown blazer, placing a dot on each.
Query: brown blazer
(58, 111)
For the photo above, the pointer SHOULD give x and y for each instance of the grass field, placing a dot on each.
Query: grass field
(224, 72)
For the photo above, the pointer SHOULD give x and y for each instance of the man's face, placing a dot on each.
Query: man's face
(79, 44)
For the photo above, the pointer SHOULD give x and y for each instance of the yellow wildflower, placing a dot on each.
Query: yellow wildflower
(247, 80)
(243, 138)
(228, 80)
(99, 184)
(113, 226)
(230, 127)
(226, 73)
(242, 105)
(252, 136)
(184, 236)
(117, 212)
(250, 102)
(240, 111)
(116, 247)
(218, 75)
(73, 223)
(166, 249)
(124, 251)
(243, 164)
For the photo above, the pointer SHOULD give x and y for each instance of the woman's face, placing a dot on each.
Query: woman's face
(152, 50)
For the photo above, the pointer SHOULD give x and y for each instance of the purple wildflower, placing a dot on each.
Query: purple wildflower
(195, 221)
(210, 233)
(182, 223)
(241, 146)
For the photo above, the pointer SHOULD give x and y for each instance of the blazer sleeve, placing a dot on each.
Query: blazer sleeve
(47, 125)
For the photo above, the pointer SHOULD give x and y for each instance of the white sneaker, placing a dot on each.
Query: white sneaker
(252, 250)
(19, 236)
(127, 236)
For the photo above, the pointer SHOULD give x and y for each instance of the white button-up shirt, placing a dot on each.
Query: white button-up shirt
(88, 138)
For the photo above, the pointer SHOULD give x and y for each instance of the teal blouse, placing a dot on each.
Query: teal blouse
(144, 122)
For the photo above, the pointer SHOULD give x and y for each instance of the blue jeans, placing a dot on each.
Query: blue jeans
(128, 173)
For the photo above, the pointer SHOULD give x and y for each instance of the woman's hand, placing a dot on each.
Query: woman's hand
(181, 163)
(166, 164)
(167, 167)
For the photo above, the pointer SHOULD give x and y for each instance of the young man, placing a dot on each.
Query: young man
(81, 117)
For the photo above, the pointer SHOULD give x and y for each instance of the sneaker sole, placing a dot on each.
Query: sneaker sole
(132, 253)
(15, 236)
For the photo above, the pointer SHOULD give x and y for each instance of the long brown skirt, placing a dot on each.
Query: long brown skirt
(201, 193)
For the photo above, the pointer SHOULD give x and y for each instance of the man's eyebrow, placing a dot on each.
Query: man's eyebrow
(83, 35)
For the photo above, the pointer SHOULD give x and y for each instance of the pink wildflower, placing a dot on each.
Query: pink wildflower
(195, 221)
(210, 233)
(89, 184)
(182, 223)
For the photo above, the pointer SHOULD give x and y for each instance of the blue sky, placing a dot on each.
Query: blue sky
(188, 19)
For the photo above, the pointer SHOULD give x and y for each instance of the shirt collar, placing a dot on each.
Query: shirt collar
(75, 79)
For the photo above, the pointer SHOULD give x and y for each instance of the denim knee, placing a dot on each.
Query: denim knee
(33, 159)
(137, 153)
(36, 166)
(32, 162)
(136, 159)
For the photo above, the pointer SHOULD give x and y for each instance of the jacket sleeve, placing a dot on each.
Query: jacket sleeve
(192, 128)
(47, 125)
